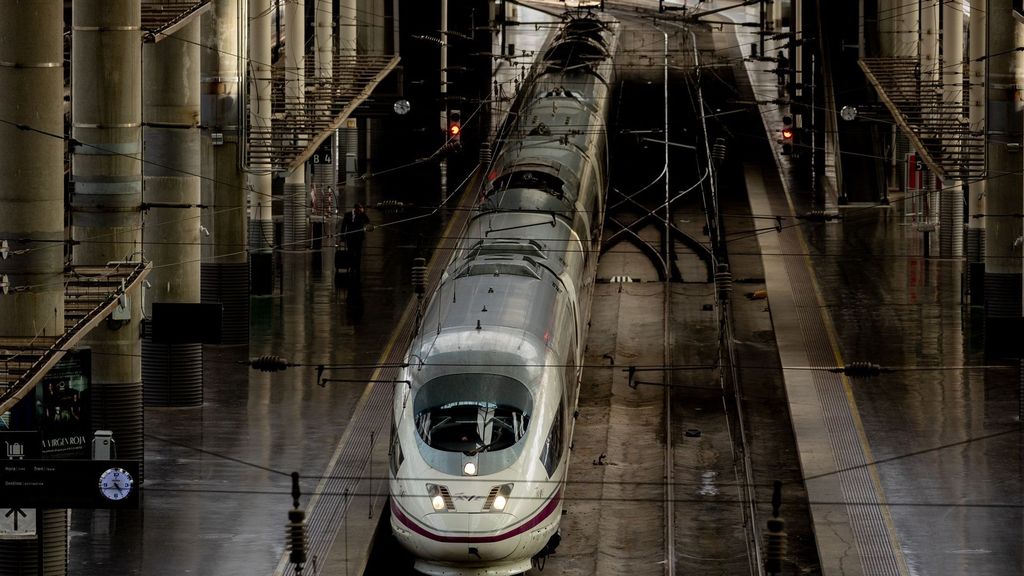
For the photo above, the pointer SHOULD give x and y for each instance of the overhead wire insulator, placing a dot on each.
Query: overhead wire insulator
(297, 538)
(419, 275)
(391, 206)
(775, 546)
(723, 281)
(269, 363)
(718, 151)
(862, 369)
(485, 153)
(819, 216)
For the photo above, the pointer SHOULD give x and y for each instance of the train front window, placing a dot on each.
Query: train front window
(472, 413)
(471, 427)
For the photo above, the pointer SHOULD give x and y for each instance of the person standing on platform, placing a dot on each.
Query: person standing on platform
(353, 229)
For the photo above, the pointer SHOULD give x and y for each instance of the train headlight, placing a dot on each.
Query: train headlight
(440, 499)
(469, 469)
(497, 500)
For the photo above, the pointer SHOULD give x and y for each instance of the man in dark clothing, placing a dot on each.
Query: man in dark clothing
(353, 230)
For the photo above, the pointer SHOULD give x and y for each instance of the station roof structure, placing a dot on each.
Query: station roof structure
(937, 128)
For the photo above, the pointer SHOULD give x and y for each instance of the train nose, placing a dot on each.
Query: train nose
(457, 537)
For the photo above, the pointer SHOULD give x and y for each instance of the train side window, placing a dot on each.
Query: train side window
(551, 455)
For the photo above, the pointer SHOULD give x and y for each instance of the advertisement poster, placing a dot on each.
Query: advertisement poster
(62, 408)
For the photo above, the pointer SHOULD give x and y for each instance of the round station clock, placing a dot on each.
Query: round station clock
(402, 107)
(116, 483)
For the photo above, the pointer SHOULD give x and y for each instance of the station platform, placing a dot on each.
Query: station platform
(915, 470)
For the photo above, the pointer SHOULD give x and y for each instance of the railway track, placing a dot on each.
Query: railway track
(656, 432)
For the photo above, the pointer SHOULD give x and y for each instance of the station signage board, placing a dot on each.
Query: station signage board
(61, 483)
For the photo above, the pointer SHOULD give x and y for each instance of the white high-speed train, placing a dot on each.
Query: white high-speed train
(482, 431)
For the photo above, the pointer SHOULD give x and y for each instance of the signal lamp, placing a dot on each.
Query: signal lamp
(454, 125)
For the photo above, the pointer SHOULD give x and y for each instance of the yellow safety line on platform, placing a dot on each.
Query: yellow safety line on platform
(833, 341)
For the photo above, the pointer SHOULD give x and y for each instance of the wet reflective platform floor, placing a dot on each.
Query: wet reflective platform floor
(217, 485)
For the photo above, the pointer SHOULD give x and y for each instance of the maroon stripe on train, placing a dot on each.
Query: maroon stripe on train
(537, 519)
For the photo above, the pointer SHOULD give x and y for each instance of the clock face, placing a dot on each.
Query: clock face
(402, 106)
(116, 483)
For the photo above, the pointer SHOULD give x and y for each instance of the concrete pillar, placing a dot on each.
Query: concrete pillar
(349, 136)
(32, 215)
(173, 373)
(798, 63)
(324, 39)
(1003, 187)
(885, 39)
(322, 177)
(976, 187)
(951, 212)
(906, 22)
(106, 74)
(296, 199)
(372, 30)
(930, 40)
(347, 27)
(31, 168)
(225, 274)
(261, 225)
(898, 28)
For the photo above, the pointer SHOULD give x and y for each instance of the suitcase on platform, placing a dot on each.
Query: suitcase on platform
(342, 259)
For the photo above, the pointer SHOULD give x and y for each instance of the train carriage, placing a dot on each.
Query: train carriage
(482, 430)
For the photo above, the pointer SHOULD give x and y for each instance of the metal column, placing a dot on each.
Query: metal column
(172, 372)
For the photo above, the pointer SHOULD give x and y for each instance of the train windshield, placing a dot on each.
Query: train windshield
(472, 413)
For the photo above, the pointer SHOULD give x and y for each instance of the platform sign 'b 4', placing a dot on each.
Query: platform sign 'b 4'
(323, 154)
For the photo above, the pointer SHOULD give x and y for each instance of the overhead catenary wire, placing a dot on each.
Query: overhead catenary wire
(998, 434)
